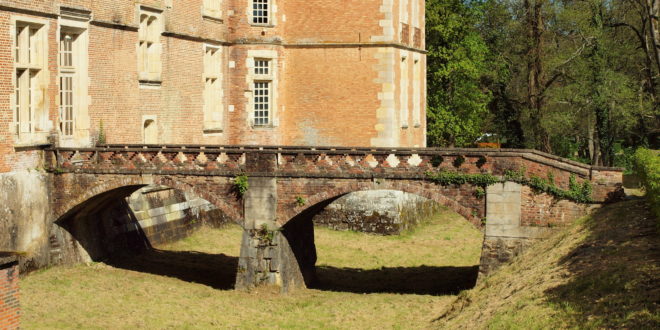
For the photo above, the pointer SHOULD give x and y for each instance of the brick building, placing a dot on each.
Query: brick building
(289, 72)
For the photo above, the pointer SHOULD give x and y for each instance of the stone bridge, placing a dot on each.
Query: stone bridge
(287, 186)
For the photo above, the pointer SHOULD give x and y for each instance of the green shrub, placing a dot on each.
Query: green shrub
(646, 165)
(241, 184)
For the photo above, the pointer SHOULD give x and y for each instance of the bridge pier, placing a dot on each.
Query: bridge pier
(266, 256)
(505, 235)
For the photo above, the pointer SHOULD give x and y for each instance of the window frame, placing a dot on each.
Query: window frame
(30, 80)
(268, 16)
(262, 74)
(149, 46)
(213, 90)
(69, 106)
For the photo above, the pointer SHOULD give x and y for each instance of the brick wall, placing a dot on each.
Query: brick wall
(10, 311)
(326, 95)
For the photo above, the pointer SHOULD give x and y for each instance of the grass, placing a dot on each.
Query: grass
(601, 273)
(183, 285)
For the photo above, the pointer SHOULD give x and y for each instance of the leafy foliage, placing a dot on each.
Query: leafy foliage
(447, 178)
(456, 63)
(300, 201)
(241, 184)
(480, 192)
(647, 167)
(579, 79)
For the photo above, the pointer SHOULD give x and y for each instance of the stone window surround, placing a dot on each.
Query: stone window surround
(78, 24)
(251, 77)
(41, 125)
(404, 81)
(213, 120)
(414, 21)
(272, 17)
(417, 90)
(146, 119)
(150, 77)
(404, 19)
(212, 9)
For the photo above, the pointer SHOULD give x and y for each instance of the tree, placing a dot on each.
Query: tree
(457, 102)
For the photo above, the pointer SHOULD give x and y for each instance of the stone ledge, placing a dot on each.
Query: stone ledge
(8, 259)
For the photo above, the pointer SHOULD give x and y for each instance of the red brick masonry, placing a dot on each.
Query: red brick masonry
(10, 311)
(319, 174)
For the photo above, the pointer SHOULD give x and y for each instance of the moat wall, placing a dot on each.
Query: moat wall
(385, 212)
(24, 216)
(166, 215)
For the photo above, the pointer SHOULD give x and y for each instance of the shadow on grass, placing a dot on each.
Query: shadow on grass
(615, 271)
(219, 271)
(426, 280)
(215, 270)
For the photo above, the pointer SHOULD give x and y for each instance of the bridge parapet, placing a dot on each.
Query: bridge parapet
(329, 162)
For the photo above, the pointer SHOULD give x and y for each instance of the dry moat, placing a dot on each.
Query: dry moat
(366, 281)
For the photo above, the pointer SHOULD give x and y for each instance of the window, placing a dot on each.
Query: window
(262, 91)
(29, 64)
(260, 11)
(212, 90)
(67, 77)
(212, 9)
(149, 47)
(261, 67)
(261, 103)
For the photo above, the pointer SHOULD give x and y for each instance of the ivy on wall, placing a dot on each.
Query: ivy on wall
(580, 193)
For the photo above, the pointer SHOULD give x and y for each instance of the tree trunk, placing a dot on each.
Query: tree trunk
(535, 100)
(653, 10)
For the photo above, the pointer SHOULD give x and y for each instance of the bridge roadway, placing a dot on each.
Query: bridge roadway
(277, 245)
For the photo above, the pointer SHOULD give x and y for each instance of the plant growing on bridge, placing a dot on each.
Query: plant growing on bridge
(265, 235)
(300, 201)
(580, 193)
(447, 178)
(480, 192)
(241, 184)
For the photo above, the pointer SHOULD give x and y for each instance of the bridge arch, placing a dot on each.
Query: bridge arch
(297, 224)
(462, 202)
(68, 201)
(92, 218)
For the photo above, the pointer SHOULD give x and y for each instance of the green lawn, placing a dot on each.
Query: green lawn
(368, 281)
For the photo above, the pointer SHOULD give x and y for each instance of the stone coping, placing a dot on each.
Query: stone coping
(8, 258)
(493, 152)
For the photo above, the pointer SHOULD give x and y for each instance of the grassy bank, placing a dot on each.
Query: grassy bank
(604, 272)
(368, 282)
